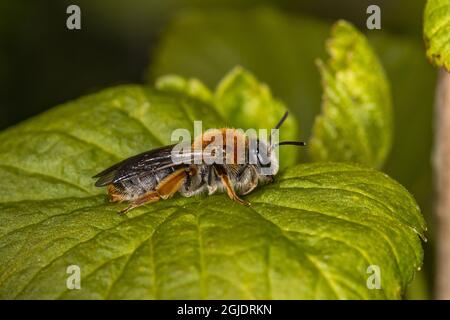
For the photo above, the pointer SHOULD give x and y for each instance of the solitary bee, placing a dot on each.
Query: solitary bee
(154, 175)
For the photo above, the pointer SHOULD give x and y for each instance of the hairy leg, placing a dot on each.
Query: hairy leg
(221, 172)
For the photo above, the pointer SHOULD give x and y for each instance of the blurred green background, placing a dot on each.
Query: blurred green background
(43, 64)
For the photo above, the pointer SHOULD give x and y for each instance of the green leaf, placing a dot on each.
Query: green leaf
(191, 87)
(72, 142)
(356, 120)
(245, 103)
(311, 234)
(436, 29)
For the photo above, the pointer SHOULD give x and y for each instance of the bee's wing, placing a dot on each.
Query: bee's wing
(152, 160)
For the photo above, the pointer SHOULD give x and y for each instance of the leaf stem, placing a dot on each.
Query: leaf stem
(441, 162)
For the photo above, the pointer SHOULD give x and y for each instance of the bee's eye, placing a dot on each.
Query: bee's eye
(264, 161)
(262, 155)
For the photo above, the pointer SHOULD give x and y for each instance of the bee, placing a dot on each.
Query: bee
(154, 175)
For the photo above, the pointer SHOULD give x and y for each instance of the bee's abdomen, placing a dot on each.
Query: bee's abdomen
(137, 186)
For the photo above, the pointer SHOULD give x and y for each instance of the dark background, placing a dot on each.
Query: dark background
(43, 64)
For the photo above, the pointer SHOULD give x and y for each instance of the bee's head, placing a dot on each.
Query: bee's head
(266, 155)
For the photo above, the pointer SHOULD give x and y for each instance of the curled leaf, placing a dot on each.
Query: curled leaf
(356, 120)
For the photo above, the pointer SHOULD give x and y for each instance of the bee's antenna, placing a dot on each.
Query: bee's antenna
(292, 143)
(288, 143)
(283, 118)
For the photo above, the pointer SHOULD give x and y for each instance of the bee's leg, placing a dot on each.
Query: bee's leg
(226, 182)
(149, 197)
(165, 189)
(114, 194)
(251, 176)
(212, 180)
(172, 183)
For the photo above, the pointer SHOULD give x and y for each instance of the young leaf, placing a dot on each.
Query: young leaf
(356, 120)
(436, 31)
(192, 87)
(311, 234)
